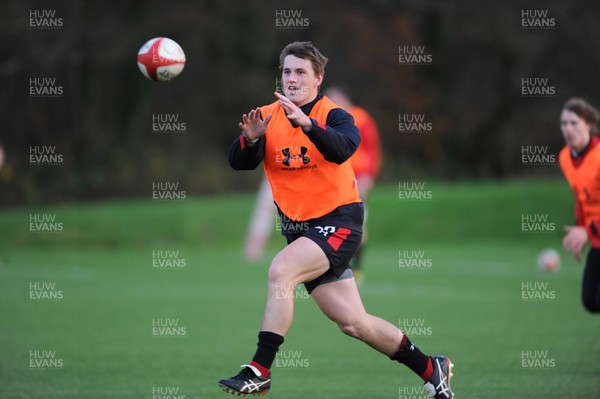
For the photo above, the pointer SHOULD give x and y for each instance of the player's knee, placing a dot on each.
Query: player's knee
(353, 327)
(278, 272)
(348, 329)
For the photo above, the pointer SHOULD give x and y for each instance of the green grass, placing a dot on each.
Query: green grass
(470, 299)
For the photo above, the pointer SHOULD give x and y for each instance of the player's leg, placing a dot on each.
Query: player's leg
(365, 183)
(590, 293)
(341, 302)
(261, 223)
(302, 260)
(356, 261)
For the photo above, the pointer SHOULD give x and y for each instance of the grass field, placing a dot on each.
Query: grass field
(97, 340)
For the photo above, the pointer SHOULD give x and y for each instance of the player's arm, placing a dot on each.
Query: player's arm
(579, 217)
(577, 235)
(593, 232)
(370, 141)
(248, 150)
(245, 155)
(592, 229)
(338, 139)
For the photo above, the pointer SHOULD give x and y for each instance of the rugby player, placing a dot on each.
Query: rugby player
(580, 163)
(303, 140)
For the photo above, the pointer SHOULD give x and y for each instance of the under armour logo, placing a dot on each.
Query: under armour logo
(325, 230)
(288, 156)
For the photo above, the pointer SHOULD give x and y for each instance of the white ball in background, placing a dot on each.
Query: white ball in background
(549, 260)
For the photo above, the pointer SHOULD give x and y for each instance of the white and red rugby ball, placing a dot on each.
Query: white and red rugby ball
(161, 59)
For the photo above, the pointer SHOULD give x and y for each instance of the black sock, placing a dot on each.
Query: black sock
(268, 345)
(413, 358)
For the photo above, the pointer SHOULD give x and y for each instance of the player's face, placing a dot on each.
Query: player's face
(575, 130)
(300, 84)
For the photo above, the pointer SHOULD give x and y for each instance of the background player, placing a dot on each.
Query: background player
(366, 161)
(261, 223)
(580, 163)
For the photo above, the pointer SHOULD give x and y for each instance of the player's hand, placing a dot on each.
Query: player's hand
(252, 126)
(575, 240)
(294, 113)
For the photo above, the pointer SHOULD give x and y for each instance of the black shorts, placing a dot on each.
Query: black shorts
(338, 234)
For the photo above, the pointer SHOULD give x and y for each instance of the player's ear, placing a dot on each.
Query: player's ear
(590, 128)
(319, 79)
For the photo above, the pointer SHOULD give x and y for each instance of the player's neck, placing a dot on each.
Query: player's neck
(308, 100)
